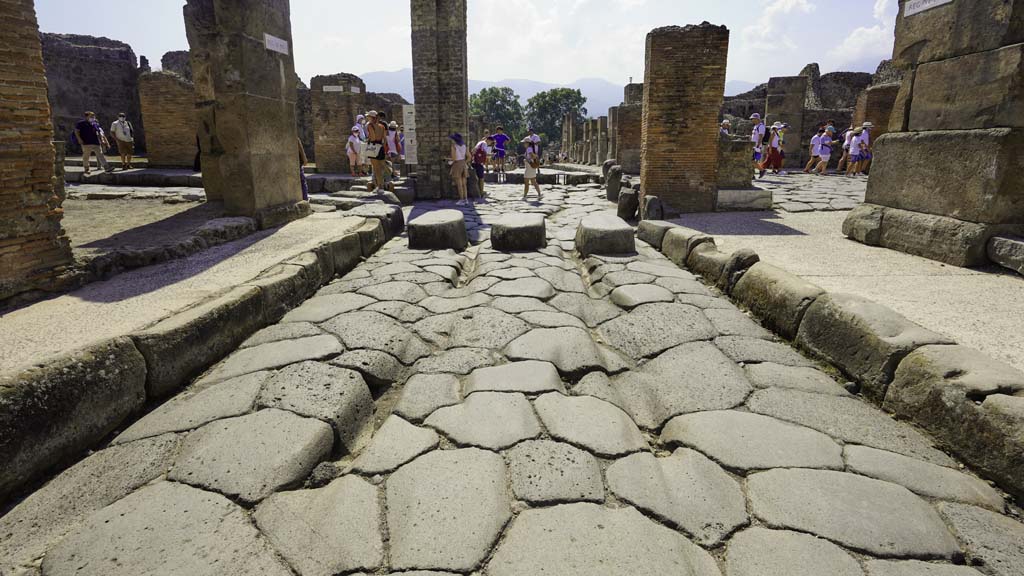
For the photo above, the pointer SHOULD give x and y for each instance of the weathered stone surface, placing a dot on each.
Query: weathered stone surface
(571, 350)
(776, 297)
(628, 204)
(390, 216)
(487, 419)
(408, 292)
(592, 311)
(438, 230)
(685, 489)
(376, 331)
(678, 242)
(562, 280)
(456, 361)
(633, 295)
(458, 493)
(250, 457)
(518, 305)
(760, 552)
(482, 327)
(626, 278)
(394, 444)
(995, 540)
(320, 308)
(284, 331)
(544, 472)
(771, 375)
(745, 441)
(602, 233)
(424, 393)
(529, 287)
(528, 377)
(705, 260)
(587, 539)
(518, 232)
(748, 350)
(660, 268)
(378, 369)
(864, 224)
(275, 355)
(916, 568)
(439, 305)
(325, 531)
(1008, 252)
(984, 25)
(735, 267)
(653, 328)
(166, 528)
(589, 423)
(613, 183)
(553, 320)
(949, 240)
(732, 322)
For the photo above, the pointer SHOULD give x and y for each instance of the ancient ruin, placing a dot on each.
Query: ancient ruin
(169, 107)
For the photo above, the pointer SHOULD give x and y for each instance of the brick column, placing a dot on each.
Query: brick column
(629, 137)
(633, 94)
(337, 100)
(613, 142)
(684, 82)
(785, 103)
(242, 61)
(585, 158)
(34, 252)
(169, 107)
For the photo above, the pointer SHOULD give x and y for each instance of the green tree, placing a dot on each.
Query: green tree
(546, 109)
(499, 106)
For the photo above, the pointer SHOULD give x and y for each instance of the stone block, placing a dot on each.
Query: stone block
(347, 252)
(613, 182)
(864, 339)
(439, 230)
(653, 231)
(603, 233)
(390, 216)
(1008, 252)
(864, 224)
(628, 204)
(735, 267)
(678, 242)
(705, 259)
(957, 28)
(745, 199)
(652, 208)
(519, 232)
(777, 297)
(282, 288)
(940, 238)
(52, 412)
(371, 237)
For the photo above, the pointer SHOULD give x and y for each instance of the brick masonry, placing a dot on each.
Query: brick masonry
(178, 62)
(875, 105)
(684, 80)
(34, 252)
(169, 107)
(629, 137)
(613, 143)
(633, 94)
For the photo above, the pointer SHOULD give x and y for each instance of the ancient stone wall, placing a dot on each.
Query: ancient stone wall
(734, 167)
(875, 105)
(336, 101)
(633, 94)
(684, 79)
(585, 143)
(178, 62)
(33, 249)
(629, 137)
(785, 103)
(88, 73)
(169, 107)
(602, 140)
(304, 119)
(613, 142)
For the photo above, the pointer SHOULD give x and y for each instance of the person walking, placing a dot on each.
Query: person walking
(847, 135)
(124, 138)
(480, 154)
(815, 151)
(824, 152)
(360, 126)
(352, 151)
(856, 149)
(459, 170)
(757, 137)
(376, 134)
(500, 141)
(866, 156)
(773, 157)
(531, 164)
(394, 152)
(93, 141)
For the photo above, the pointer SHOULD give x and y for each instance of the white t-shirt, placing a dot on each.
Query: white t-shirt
(535, 139)
(122, 130)
(392, 138)
(848, 140)
(757, 135)
(816, 146)
(866, 137)
(354, 142)
(825, 146)
(460, 152)
(776, 141)
(855, 145)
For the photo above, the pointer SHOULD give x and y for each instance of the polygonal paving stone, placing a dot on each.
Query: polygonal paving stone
(529, 287)
(592, 311)
(703, 302)
(320, 308)
(661, 269)
(275, 355)
(396, 443)
(571, 350)
(441, 305)
(376, 331)
(544, 471)
(634, 295)
(401, 291)
(747, 350)
(379, 369)
(328, 530)
(511, 273)
(745, 441)
(456, 361)
(427, 276)
(994, 540)
(394, 268)
(735, 323)
(860, 513)
(653, 328)
(598, 385)
(487, 419)
(771, 375)
(529, 377)
(762, 552)
(589, 423)
(460, 494)
(250, 457)
(562, 280)
(166, 528)
(401, 311)
(284, 331)
(552, 320)
(424, 393)
(516, 305)
(683, 286)
(587, 540)
(686, 490)
(481, 327)
(626, 277)
(916, 568)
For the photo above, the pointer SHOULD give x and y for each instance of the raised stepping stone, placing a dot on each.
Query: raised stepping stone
(396, 443)
(275, 355)
(860, 513)
(461, 494)
(916, 568)
(653, 328)
(604, 234)
(686, 489)
(760, 552)
(390, 216)
(328, 530)
(994, 540)
(745, 441)
(379, 369)
(771, 375)
(634, 295)
(592, 311)
(528, 287)
(165, 528)
(571, 350)
(544, 471)
(586, 539)
(456, 361)
(488, 420)
(376, 331)
(424, 393)
(518, 232)
(438, 230)
(589, 423)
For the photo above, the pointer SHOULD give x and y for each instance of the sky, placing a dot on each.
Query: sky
(555, 41)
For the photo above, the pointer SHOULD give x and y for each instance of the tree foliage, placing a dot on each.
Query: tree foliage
(545, 110)
(499, 106)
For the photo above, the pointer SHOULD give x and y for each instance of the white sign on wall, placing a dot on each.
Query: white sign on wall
(355, 89)
(334, 88)
(915, 6)
(409, 123)
(275, 44)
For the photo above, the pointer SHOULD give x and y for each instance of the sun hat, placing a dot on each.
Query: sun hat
(726, 122)
(755, 116)
(393, 125)
(858, 131)
(372, 113)
(867, 125)
(777, 125)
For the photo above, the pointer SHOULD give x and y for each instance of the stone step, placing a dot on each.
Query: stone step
(1008, 252)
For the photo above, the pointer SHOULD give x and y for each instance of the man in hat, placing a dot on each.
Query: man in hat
(726, 126)
(124, 137)
(757, 137)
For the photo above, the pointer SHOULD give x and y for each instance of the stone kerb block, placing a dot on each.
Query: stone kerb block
(628, 204)
(979, 25)
(438, 230)
(705, 259)
(939, 238)
(678, 242)
(864, 224)
(604, 234)
(613, 182)
(519, 232)
(390, 216)
(1008, 252)
(653, 231)
(777, 297)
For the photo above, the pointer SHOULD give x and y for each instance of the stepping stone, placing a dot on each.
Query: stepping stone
(402, 291)
(592, 311)
(376, 331)
(390, 216)
(771, 375)
(588, 539)
(424, 393)
(275, 355)
(634, 295)
(528, 377)
(916, 568)
(749, 350)
(528, 287)
(760, 552)
(165, 528)
(604, 234)
(745, 441)
(571, 350)
(872, 516)
(654, 328)
(544, 471)
(518, 232)
(251, 457)
(686, 489)
(284, 331)
(589, 423)
(320, 308)
(488, 420)
(456, 361)
(396, 443)
(438, 230)
(379, 369)
(328, 530)
(994, 540)
(461, 494)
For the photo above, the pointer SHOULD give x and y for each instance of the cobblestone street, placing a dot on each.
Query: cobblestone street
(798, 192)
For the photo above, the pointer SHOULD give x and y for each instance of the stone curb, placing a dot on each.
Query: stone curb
(51, 412)
(971, 404)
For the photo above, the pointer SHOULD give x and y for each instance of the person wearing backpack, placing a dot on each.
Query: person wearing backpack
(124, 137)
(458, 170)
(773, 159)
(480, 153)
(757, 136)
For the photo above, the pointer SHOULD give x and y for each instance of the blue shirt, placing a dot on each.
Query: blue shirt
(500, 140)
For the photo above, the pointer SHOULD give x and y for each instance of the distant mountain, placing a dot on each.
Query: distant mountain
(734, 87)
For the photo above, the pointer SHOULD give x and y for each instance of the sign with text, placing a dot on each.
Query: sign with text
(916, 6)
(275, 44)
(334, 88)
(409, 123)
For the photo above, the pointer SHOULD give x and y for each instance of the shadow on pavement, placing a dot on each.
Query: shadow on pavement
(738, 224)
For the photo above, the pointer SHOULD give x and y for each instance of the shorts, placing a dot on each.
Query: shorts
(499, 152)
(854, 158)
(866, 156)
(459, 170)
(757, 156)
(479, 169)
(125, 148)
(824, 159)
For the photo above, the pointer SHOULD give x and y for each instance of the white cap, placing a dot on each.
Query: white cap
(755, 116)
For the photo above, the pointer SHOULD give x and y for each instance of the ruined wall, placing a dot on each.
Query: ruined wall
(304, 119)
(88, 73)
(169, 107)
(629, 137)
(613, 141)
(33, 249)
(334, 112)
(785, 103)
(633, 94)
(735, 169)
(602, 140)
(178, 62)
(875, 105)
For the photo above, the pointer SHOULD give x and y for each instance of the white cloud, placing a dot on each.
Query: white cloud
(769, 33)
(868, 42)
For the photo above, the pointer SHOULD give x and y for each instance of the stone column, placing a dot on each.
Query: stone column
(34, 252)
(785, 103)
(245, 99)
(613, 142)
(585, 159)
(337, 99)
(169, 106)
(441, 88)
(633, 94)
(595, 140)
(628, 136)
(684, 83)
(602, 140)
(951, 174)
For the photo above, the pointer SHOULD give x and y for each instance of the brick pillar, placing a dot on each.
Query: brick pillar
(602, 140)
(785, 103)
(169, 106)
(242, 61)
(441, 88)
(629, 135)
(337, 100)
(684, 82)
(34, 252)
(633, 94)
(585, 158)
(613, 142)
(875, 105)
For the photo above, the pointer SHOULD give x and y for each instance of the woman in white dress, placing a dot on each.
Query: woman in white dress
(531, 162)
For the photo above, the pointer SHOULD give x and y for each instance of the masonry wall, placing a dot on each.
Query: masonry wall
(684, 79)
(602, 140)
(875, 105)
(786, 103)
(169, 108)
(334, 114)
(629, 137)
(734, 167)
(34, 252)
(613, 142)
(633, 94)
(304, 119)
(179, 62)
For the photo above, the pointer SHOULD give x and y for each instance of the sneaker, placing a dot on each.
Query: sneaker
(762, 173)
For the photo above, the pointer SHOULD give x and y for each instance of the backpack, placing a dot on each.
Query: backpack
(479, 155)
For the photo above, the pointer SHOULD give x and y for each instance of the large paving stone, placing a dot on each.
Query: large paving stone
(602, 233)
(916, 568)
(424, 393)
(250, 457)
(552, 320)
(481, 327)
(438, 230)
(763, 552)
(460, 494)
(686, 489)
(283, 331)
(745, 441)
(589, 423)
(771, 375)
(456, 361)
(376, 331)
(487, 419)
(562, 280)
(394, 444)
(328, 530)
(407, 292)
(337, 396)
(688, 378)
(378, 369)
(992, 539)
(571, 350)
(634, 295)
(528, 377)
(587, 539)
(732, 322)
(860, 513)
(444, 305)
(752, 350)
(166, 528)
(528, 287)
(544, 471)
(518, 232)
(320, 308)
(653, 328)
(275, 355)
(591, 310)
(777, 297)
